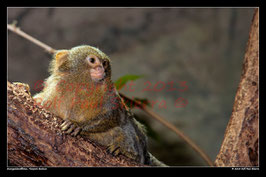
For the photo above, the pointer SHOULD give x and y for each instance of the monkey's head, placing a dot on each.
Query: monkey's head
(83, 60)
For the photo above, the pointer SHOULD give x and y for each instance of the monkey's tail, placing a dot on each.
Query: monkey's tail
(155, 162)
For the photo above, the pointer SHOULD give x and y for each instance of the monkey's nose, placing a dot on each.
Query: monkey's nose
(97, 72)
(99, 68)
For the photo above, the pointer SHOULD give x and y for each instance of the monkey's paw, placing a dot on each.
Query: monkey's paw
(117, 150)
(113, 149)
(70, 128)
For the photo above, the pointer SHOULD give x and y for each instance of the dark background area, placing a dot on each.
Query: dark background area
(203, 47)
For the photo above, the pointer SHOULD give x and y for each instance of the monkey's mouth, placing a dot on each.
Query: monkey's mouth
(97, 73)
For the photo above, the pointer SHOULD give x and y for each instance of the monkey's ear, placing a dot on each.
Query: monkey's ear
(61, 60)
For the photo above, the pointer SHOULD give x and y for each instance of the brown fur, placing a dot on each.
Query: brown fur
(95, 107)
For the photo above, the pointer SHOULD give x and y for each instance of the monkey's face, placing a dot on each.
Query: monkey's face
(97, 67)
(84, 61)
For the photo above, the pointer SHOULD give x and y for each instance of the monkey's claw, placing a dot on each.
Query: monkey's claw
(76, 131)
(113, 150)
(70, 128)
(117, 150)
(65, 125)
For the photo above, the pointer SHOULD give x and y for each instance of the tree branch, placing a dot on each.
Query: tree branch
(30, 38)
(240, 144)
(35, 139)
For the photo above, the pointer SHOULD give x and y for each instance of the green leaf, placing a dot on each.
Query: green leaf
(120, 83)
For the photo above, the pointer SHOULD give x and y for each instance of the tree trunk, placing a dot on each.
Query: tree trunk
(240, 144)
(35, 139)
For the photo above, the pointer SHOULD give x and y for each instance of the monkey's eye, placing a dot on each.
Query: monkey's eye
(92, 60)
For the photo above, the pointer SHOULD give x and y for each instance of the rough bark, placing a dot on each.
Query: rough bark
(240, 144)
(35, 139)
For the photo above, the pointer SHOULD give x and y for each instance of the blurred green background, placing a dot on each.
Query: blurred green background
(204, 47)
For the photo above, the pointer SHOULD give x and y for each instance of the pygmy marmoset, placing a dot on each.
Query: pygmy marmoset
(80, 91)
